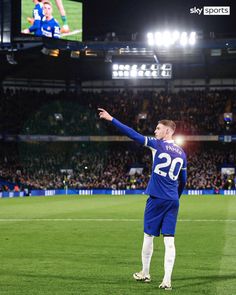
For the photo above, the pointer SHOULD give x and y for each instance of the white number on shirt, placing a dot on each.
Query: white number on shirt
(169, 163)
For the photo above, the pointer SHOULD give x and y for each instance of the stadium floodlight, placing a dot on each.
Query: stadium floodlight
(50, 52)
(141, 71)
(183, 39)
(168, 38)
(143, 67)
(133, 73)
(154, 73)
(115, 67)
(120, 73)
(192, 38)
(175, 35)
(150, 38)
(121, 67)
(158, 39)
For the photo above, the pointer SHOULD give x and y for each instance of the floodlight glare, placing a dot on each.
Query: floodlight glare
(167, 38)
(179, 140)
(115, 73)
(150, 37)
(192, 38)
(143, 67)
(121, 73)
(127, 67)
(134, 67)
(175, 36)
(121, 67)
(184, 39)
(158, 38)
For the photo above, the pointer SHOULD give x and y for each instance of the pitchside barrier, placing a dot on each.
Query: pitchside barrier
(107, 192)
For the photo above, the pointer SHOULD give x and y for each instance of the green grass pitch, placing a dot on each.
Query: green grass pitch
(74, 14)
(91, 245)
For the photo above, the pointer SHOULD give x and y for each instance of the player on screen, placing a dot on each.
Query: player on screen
(168, 178)
(49, 26)
(65, 28)
(35, 21)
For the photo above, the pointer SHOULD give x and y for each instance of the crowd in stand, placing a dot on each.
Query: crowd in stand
(100, 165)
(68, 113)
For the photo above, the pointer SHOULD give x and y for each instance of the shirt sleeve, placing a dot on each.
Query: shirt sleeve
(56, 31)
(151, 142)
(36, 14)
(36, 25)
(131, 133)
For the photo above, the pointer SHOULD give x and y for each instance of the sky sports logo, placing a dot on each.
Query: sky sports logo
(211, 10)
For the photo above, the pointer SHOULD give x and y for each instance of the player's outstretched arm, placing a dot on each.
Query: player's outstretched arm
(103, 114)
(131, 133)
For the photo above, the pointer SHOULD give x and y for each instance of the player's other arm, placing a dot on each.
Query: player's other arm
(182, 180)
(36, 23)
(56, 31)
(131, 133)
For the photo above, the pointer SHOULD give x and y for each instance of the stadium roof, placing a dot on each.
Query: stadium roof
(208, 58)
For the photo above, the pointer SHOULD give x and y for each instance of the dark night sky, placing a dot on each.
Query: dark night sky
(125, 17)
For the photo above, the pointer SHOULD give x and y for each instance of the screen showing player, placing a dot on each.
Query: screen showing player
(52, 18)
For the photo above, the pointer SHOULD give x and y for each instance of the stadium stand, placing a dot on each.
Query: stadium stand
(66, 113)
(91, 165)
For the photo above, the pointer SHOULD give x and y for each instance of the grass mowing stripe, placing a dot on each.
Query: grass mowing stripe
(108, 219)
(228, 260)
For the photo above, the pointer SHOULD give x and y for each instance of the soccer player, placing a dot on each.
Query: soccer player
(168, 178)
(49, 27)
(65, 28)
(35, 21)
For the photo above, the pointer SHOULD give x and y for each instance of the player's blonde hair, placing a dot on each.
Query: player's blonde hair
(168, 123)
(47, 2)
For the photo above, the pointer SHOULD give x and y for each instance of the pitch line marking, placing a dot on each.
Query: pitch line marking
(71, 33)
(105, 219)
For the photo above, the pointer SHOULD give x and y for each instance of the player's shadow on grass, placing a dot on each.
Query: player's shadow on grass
(205, 279)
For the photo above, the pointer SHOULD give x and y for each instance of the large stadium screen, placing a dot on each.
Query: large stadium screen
(55, 18)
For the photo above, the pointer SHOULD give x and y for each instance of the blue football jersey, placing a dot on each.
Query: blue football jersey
(37, 16)
(168, 160)
(50, 28)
